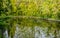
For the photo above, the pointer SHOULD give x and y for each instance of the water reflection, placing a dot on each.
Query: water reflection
(35, 29)
(6, 34)
(33, 32)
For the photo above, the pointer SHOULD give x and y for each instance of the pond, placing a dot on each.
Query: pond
(34, 32)
(35, 28)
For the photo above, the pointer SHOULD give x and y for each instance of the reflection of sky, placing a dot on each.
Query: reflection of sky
(39, 32)
(6, 34)
(42, 33)
(37, 35)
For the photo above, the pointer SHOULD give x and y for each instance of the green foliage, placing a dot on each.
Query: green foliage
(38, 8)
